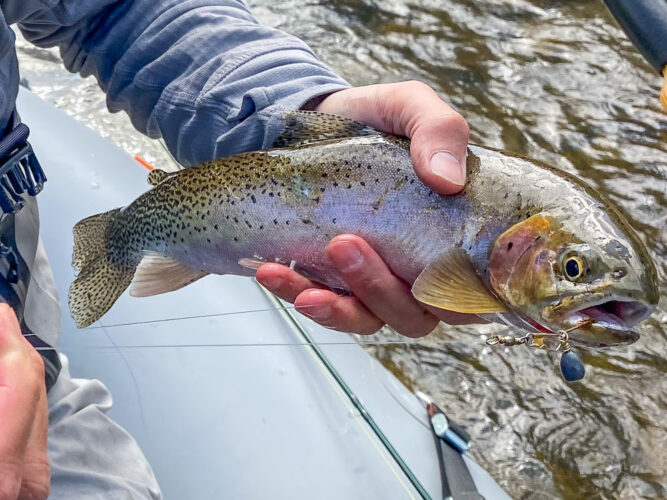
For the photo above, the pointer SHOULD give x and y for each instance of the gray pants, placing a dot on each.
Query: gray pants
(90, 455)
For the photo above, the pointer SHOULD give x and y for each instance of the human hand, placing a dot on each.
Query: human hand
(24, 466)
(439, 139)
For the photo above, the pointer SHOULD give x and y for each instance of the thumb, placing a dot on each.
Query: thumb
(438, 149)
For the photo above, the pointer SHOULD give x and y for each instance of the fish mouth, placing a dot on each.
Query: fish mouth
(610, 322)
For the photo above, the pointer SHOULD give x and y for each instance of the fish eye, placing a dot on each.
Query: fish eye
(574, 267)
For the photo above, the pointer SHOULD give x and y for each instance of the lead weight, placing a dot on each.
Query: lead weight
(571, 366)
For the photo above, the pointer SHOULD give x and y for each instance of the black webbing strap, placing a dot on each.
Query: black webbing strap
(21, 175)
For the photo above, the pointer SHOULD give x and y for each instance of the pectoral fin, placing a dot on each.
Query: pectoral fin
(159, 274)
(451, 282)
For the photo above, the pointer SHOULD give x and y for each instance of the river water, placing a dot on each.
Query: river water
(553, 80)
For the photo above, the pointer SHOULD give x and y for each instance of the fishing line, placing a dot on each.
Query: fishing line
(247, 344)
(180, 318)
(132, 377)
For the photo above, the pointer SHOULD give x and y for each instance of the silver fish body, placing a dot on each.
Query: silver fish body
(285, 204)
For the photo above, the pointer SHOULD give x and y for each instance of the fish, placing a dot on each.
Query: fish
(524, 244)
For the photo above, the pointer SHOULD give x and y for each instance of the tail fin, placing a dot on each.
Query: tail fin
(104, 270)
(90, 237)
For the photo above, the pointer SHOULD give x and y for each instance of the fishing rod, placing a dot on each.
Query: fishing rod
(645, 24)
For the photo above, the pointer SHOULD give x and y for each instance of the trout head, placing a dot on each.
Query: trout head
(563, 272)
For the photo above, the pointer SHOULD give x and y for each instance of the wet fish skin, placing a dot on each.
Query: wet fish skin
(285, 204)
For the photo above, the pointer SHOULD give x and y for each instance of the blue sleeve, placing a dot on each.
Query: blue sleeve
(204, 75)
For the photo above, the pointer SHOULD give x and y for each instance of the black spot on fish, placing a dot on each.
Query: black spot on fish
(275, 221)
(506, 195)
(306, 221)
(509, 246)
(252, 197)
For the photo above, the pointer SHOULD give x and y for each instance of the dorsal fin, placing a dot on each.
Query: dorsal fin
(156, 176)
(300, 128)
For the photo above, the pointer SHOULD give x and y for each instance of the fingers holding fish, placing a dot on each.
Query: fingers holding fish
(439, 135)
(338, 312)
(283, 281)
(343, 313)
(377, 288)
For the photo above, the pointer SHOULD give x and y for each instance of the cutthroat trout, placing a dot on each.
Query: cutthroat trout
(524, 244)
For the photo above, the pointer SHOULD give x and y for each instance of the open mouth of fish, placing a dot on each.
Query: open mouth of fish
(613, 322)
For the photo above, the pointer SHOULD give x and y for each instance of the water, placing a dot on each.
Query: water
(553, 80)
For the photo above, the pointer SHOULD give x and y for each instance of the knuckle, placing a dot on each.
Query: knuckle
(415, 86)
(456, 121)
(36, 477)
(10, 480)
(35, 489)
(372, 285)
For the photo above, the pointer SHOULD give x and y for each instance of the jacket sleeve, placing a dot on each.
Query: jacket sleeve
(204, 75)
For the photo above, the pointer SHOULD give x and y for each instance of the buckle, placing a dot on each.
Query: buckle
(20, 171)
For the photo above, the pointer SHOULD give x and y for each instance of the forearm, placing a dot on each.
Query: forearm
(202, 74)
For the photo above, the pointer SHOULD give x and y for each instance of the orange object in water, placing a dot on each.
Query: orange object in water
(144, 162)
